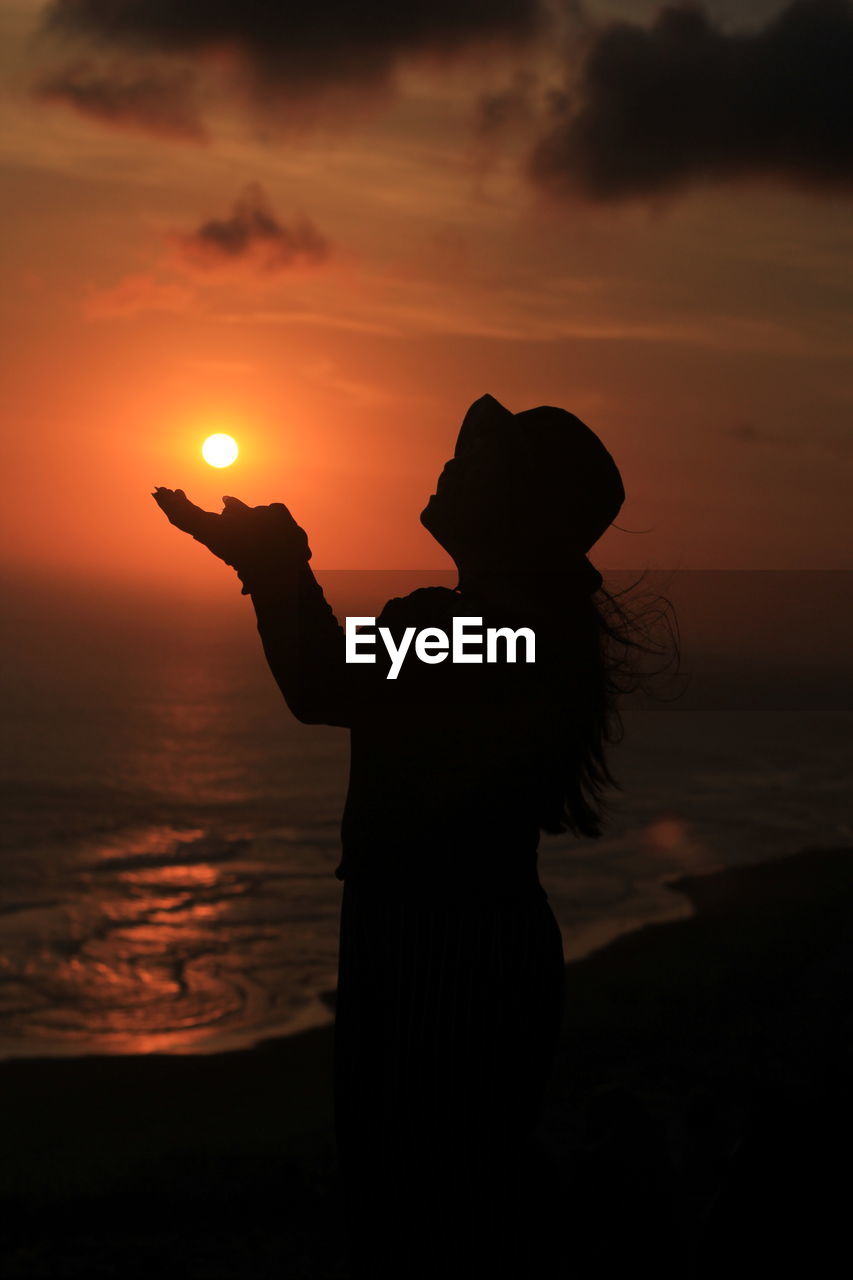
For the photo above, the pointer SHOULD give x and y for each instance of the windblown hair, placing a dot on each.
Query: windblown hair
(600, 647)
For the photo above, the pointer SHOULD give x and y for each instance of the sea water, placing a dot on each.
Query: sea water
(170, 832)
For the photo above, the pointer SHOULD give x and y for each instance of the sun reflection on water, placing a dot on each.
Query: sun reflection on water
(164, 943)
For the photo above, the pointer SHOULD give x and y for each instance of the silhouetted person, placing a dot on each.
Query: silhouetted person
(451, 965)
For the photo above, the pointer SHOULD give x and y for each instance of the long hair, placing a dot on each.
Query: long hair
(598, 648)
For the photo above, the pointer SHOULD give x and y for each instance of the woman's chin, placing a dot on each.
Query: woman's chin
(426, 516)
(432, 520)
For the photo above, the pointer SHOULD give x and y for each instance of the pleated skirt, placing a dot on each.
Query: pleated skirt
(448, 1016)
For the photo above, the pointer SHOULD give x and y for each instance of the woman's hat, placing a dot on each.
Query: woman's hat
(572, 485)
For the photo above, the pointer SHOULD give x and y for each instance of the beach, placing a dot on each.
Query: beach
(697, 1108)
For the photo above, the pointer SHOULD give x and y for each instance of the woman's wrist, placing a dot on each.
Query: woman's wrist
(272, 578)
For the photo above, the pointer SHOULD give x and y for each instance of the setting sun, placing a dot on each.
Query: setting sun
(219, 450)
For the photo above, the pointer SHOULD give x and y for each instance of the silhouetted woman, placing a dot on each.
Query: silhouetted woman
(451, 965)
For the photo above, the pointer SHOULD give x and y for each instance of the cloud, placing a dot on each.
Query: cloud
(298, 48)
(502, 109)
(817, 438)
(144, 98)
(135, 294)
(250, 244)
(325, 373)
(251, 238)
(657, 109)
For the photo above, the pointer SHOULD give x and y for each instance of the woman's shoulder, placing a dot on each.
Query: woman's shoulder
(438, 606)
(424, 606)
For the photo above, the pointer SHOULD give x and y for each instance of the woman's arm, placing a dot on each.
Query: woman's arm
(304, 645)
(302, 639)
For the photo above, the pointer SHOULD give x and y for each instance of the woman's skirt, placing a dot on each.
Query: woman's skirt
(447, 1021)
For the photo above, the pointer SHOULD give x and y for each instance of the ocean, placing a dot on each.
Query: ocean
(170, 831)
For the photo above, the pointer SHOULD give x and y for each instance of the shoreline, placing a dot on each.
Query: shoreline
(580, 942)
(701, 1085)
(585, 940)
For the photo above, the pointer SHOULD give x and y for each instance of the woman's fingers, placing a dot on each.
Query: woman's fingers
(185, 515)
(233, 505)
(173, 502)
(273, 518)
(247, 538)
(236, 505)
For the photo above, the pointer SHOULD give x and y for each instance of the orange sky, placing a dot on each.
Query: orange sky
(704, 335)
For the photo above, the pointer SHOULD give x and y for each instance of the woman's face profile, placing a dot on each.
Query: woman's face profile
(471, 511)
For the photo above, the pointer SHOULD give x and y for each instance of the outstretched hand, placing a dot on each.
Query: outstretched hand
(203, 525)
(253, 540)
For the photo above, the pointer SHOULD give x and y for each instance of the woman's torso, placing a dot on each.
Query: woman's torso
(443, 764)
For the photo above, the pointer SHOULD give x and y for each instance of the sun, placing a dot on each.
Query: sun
(219, 450)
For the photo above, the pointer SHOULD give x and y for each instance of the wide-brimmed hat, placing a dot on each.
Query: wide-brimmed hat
(573, 479)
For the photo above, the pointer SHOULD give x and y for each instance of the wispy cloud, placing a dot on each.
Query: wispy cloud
(284, 54)
(576, 311)
(251, 239)
(128, 96)
(135, 294)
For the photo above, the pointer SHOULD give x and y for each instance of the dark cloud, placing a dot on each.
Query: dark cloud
(658, 108)
(296, 47)
(252, 238)
(148, 99)
(513, 105)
